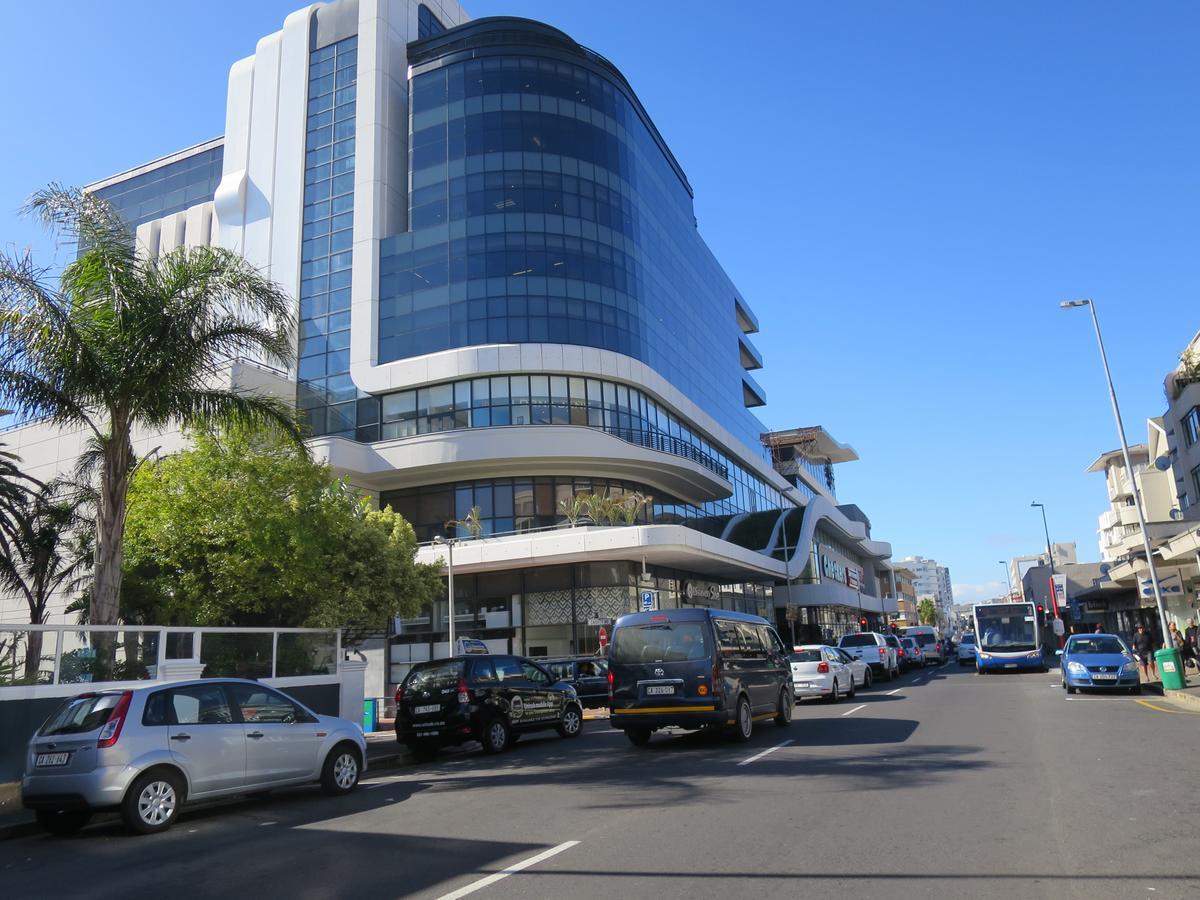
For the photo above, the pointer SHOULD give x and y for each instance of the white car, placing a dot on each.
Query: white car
(818, 671)
(966, 649)
(859, 669)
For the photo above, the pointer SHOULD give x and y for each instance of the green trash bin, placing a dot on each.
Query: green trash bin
(1170, 667)
(369, 715)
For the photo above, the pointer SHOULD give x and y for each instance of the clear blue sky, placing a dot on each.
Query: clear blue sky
(903, 191)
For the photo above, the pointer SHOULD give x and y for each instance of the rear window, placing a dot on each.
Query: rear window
(439, 675)
(967, 639)
(908, 642)
(660, 642)
(924, 638)
(857, 640)
(81, 714)
(805, 656)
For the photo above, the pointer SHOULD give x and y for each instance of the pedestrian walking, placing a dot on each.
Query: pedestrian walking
(1191, 634)
(1143, 646)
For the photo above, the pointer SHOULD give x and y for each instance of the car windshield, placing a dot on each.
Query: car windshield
(967, 638)
(805, 656)
(436, 676)
(81, 714)
(857, 640)
(1102, 643)
(660, 642)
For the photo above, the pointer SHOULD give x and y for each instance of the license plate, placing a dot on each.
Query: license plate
(425, 710)
(1103, 676)
(1010, 665)
(53, 759)
(661, 689)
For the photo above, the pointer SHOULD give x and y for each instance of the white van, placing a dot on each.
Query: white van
(927, 637)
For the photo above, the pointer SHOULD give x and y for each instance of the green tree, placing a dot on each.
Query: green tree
(927, 612)
(120, 341)
(47, 549)
(246, 529)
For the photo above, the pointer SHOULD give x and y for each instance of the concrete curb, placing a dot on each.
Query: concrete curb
(1184, 697)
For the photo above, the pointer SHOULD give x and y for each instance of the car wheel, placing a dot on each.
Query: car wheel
(1071, 689)
(867, 678)
(340, 773)
(639, 737)
(63, 821)
(852, 688)
(497, 735)
(1136, 689)
(152, 802)
(743, 725)
(571, 724)
(835, 695)
(783, 717)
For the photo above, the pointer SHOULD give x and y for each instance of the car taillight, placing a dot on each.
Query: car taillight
(112, 728)
(900, 652)
(610, 685)
(882, 652)
(464, 695)
(399, 693)
(823, 668)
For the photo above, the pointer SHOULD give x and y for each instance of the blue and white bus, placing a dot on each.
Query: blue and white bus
(1007, 636)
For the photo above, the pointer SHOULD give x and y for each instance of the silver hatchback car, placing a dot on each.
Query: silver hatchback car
(147, 751)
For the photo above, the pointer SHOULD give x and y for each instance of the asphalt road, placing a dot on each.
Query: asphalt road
(945, 784)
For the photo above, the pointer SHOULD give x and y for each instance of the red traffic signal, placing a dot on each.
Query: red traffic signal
(862, 623)
(1041, 609)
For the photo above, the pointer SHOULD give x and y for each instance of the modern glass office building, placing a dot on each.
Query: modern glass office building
(506, 313)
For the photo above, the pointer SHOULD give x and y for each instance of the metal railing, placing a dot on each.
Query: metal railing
(81, 654)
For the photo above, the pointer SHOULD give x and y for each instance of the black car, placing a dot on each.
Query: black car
(697, 668)
(490, 699)
(587, 674)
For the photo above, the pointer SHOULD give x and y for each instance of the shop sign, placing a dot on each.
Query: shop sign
(831, 568)
(701, 591)
(854, 577)
(1170, 583)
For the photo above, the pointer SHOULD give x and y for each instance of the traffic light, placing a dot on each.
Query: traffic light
(1041, 615)
(862, 624)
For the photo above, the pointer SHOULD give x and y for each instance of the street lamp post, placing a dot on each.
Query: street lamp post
(449, 545)
(1050, 561)
(1008, 578)
(1137, 495)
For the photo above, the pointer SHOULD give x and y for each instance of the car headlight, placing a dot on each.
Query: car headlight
(983, 655)
(1130, 668)
(1076, 668)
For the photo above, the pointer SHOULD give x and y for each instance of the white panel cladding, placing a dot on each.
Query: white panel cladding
(191, 228)
(230, 198)
(260, 168)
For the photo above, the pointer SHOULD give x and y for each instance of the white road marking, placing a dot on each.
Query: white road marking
(856, 709)
(896, 691)
(745, 762)
(511, 870)
(265, 824)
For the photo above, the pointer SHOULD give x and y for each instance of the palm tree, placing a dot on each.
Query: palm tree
(47, 549)
(122, 341)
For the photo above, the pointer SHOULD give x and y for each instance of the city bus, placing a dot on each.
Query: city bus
(1007, 636)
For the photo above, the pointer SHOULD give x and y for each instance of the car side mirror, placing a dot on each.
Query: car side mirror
(1058, 653)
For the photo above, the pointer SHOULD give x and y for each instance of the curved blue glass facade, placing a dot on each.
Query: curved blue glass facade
(545, 207)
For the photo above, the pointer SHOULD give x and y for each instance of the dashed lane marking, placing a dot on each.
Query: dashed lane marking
(856, 709)
(511, 870)
(756, 756)
(890, 693)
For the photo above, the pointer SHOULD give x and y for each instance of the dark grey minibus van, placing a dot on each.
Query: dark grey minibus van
(697, 668)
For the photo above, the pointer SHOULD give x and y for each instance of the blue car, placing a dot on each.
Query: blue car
(1099, 661)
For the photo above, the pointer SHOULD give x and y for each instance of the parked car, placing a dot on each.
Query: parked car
(903, 663)
(966, 649)
(587, 674)
(927, 637)
(697, 668)
(874, 650)
(916, 656)
(1099, 661)
(147, 751)
(818, 671)
(859, 669)
(490, 699)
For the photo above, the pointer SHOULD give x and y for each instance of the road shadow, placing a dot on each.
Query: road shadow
(849, 732)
